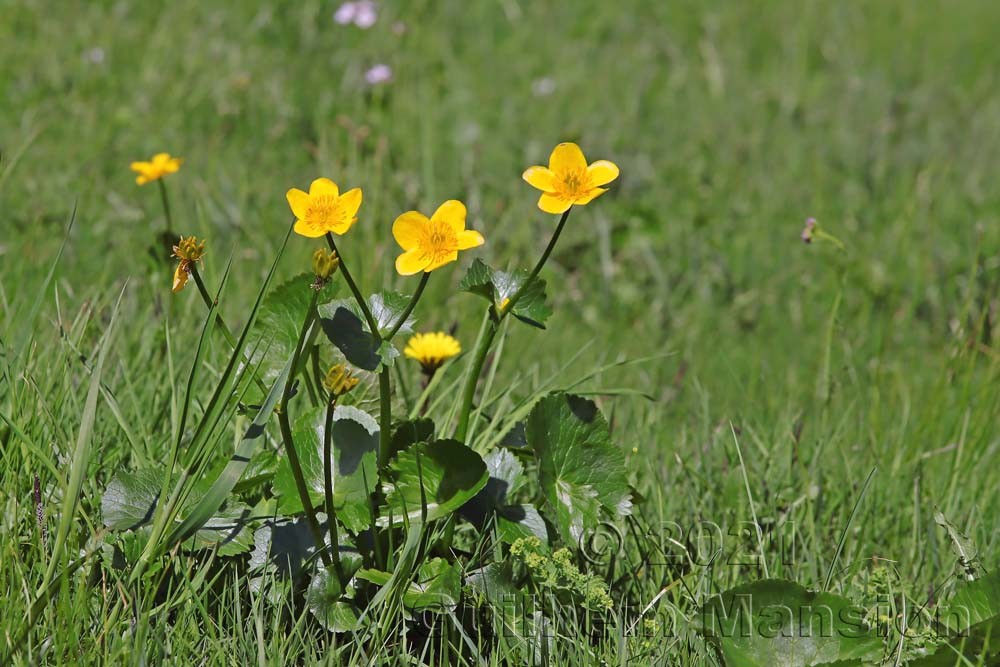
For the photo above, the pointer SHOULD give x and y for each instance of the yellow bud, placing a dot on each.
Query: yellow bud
(325, 263)
(189, 249)
(339, 381)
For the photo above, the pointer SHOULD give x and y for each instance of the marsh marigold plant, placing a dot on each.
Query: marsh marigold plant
(568, 180)
(430, 243)
(159, 166)
(324, 209)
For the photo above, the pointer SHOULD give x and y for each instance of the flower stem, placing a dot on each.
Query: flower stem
(331, 511)
(220, 323)
(166, 208)
(286, 435)
(410, 306)
(353, 286)
(493, 326)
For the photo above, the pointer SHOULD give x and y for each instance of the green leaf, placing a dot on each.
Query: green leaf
(479, 280)
(517, 521)
(965, 549)
(324, 601)
(386, 307)
(409, 433)
(498, 286)
(580, 471)
(438, 586)
(445, 472)
(531, 307)
(347, 332)
(354, 449)
(279, 322)
(130, 501)
(778, 623)
(975, 604)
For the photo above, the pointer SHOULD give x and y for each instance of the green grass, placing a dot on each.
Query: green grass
(732, 123)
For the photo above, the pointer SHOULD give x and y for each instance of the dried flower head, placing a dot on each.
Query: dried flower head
(188, 250)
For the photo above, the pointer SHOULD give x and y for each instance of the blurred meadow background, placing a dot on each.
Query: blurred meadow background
(732, 123)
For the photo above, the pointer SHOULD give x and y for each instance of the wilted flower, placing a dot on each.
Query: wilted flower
(380, 73)
(568, 181)
(432, 349)
(188, 250)
(161, 165)
(362, 13)
(430, 243)
(339, 381)
(323, 209)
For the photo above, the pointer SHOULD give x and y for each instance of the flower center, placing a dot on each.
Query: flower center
(324, 209)
(574, 183)
(439, 240)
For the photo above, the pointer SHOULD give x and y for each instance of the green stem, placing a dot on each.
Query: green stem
(362, 304)
(286, 435)
(410, 306)
(219, 322)
(331, 511)
(166, 207)
(384, 418)
(493, 326)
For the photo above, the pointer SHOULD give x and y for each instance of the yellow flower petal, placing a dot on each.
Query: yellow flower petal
(469, 239)
(441, 261)
(141, 180)
(340, 227)
(180, 277)
(161, 158)
(298, 201)
(172, 165)
(411, 262)
(602, 172)
(452, 212)
(552, 204)
(308, 229)
(139, 166)
(541, 178)
(408, 229)
(351, 201)
(323, 186)
(567, 156)
(590, 196)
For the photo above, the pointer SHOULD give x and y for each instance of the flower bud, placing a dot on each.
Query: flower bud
(339, 381)
(325, 263)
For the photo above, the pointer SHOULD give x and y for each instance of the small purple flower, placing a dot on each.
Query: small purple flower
(380, 73)
(362, 13)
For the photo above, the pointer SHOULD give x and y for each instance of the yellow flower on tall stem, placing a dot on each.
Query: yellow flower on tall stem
(323, 209)
(159, 166)
(188, 250)
(432, 349)
(430, 243)
(568, 180)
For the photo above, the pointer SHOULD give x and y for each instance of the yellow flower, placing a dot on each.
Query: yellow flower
(568, 181)
(430, 243)
(432, 349)
(323, 209)
(339, 381)
(161, 165)
(188, 250)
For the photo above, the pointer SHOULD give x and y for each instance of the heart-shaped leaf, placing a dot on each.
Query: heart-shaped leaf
(444, 473)
(354, 449)
(582, 474)
(778, 623)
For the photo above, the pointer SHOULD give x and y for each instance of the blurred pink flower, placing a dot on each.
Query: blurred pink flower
(380, 73)
(362, 13)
